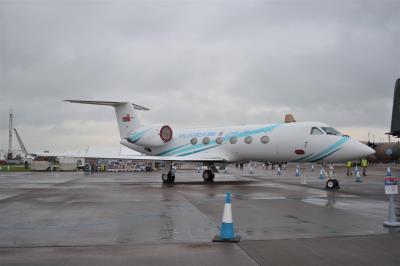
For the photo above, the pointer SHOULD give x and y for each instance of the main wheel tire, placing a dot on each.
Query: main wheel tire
(208, 175)
(168, 178)
(164, 178)
(172, 178)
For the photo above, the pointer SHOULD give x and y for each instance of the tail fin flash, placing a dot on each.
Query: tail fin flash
(21, 144)
(125, 113)
(395, 127)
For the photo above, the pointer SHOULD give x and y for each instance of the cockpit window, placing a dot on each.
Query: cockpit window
(316, 131)
(331, 131)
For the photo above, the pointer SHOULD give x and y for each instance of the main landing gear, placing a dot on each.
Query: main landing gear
(168, 174)
(168, 178)
(208, 175)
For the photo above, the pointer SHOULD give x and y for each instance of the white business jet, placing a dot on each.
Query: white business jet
(281, 142)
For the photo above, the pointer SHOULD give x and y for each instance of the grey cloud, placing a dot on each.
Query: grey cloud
(195, 63)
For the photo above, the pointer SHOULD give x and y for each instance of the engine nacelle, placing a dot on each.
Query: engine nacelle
(152, 136)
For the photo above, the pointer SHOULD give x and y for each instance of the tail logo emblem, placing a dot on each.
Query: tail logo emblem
(126, 118)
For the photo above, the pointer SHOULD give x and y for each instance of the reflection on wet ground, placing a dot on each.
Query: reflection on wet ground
(135, 208)
(114, 209)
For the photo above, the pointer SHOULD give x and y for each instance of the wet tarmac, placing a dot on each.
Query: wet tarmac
(73, 218)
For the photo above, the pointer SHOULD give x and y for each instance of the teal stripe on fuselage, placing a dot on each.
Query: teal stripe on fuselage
(246, 133)
(190, 149)
(253, 132)
(304, 158)
(328, 151)
(171, 150)
(136, 138)
(319, 159)
(137, 135)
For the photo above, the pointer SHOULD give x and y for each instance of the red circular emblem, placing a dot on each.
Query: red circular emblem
(166, 133)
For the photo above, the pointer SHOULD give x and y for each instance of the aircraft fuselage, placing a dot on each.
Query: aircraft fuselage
(285, 142)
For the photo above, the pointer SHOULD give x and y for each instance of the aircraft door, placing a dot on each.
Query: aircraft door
(311, 145)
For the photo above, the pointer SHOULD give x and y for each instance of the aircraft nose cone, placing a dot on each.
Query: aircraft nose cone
(365, 150)
(354, 150)
(361, 149)
(351, 150)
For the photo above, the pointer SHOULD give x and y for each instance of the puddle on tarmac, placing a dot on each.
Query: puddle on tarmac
(258, 196)
(375, 208)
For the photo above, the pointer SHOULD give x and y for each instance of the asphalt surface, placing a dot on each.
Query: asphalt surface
(73, 218)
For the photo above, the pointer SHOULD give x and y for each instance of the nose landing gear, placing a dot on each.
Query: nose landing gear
(331, 183)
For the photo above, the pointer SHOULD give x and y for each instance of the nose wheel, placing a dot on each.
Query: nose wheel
(208, 175)
(332, 184)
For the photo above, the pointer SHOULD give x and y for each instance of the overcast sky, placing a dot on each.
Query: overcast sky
(195, 63)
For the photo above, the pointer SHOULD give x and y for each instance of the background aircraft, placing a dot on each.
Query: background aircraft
(285, 142)
(389, 151)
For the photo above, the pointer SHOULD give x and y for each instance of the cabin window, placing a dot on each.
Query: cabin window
(219, 140)
(206, 140)
(316, 131)
(233, 140)
(248, 139)
(264, 139)
(193, 141)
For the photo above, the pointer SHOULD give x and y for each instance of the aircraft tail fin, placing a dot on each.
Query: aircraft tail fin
(395, 126)
(21, 144)
(125, 113)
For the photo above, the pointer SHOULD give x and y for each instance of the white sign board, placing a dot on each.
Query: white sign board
(391, 186)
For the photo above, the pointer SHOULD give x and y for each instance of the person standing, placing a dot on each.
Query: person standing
(364, 165)
(349, 164)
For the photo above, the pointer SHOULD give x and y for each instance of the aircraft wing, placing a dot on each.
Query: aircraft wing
(159, 158)
(138, 157)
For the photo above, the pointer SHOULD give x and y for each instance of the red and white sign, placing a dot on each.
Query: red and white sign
(391, 186)
(126, 118)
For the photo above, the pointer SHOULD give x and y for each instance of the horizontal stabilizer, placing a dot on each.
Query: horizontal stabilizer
(137, 107)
